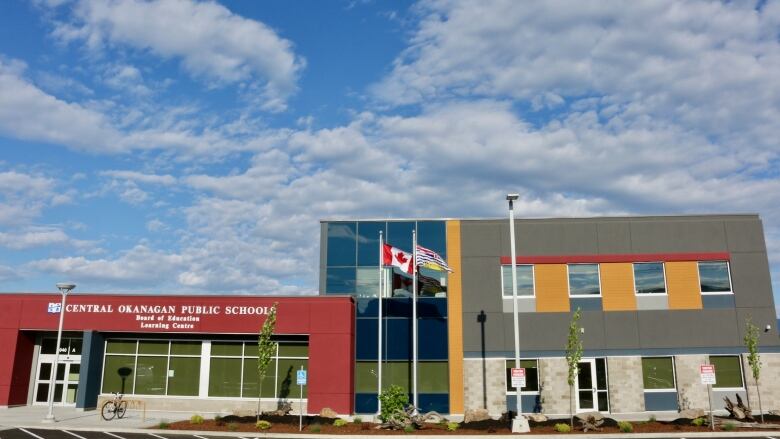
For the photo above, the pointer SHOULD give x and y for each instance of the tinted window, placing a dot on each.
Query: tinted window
(658, 373)
(525, 280)
(342, 241)
(340, 281)
(399, 234)
(649, 278)
(367, 282)
(714, 277)
(728, 372)
(433, 235)
(584, 280)
(368, 243)
(531, 375)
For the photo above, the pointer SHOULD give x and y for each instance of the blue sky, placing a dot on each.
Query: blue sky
(192, 146)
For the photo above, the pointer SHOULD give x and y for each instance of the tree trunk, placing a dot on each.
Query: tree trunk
(571, 406)
(760, 409)
(259, 397)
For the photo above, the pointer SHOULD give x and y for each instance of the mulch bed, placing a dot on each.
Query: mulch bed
(317, 424)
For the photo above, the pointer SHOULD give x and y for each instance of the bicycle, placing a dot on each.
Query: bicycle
(114, 407)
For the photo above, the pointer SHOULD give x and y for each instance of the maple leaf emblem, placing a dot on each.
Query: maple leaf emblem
(401, 257)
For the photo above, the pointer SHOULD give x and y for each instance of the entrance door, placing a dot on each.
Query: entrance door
(66, 379)
(591, 385)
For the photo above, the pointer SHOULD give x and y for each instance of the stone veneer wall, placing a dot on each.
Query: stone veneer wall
(484, 383)
(238, 407)
(691, 393)
(770, 385)
(555, 389)
(626, 391)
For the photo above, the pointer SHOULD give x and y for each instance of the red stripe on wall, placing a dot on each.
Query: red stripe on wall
(632, 257)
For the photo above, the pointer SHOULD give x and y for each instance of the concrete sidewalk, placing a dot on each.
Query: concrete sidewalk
(69, 417)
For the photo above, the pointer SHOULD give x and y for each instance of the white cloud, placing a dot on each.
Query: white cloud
(32, 237)
(139, 177)
(210, 40)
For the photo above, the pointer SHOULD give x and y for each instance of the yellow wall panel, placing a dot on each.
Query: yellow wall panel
(455, 317)
(617, 287)
(552, 287)
(682, 283)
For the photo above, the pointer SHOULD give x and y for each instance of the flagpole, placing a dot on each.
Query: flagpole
(379, 338)
(414, 320)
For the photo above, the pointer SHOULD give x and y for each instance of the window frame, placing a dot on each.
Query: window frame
(666, 284)
(533, 281)
(715, 293)
(522, 392)
(741, 373)
(674, 374)
(598, 277)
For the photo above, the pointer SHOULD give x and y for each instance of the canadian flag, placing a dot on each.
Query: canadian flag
(397, 258)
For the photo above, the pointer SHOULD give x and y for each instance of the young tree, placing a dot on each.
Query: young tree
(266, 349)
(751, 343)
(573, 357)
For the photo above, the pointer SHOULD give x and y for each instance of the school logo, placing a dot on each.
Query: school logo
(54, 307)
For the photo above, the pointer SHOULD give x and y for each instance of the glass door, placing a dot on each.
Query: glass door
(66, 377)
(591, 385)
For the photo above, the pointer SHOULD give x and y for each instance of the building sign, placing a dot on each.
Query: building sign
(707, 372)
(518, 377)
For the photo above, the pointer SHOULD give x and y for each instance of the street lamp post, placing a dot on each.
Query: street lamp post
(64, 288)
(520, 423)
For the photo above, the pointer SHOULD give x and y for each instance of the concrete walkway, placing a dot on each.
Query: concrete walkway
(69, 417)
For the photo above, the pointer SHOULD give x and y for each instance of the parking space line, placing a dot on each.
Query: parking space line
(115, 435)
(157, 436)
(74, 434)
(31, 433)
(199, 437)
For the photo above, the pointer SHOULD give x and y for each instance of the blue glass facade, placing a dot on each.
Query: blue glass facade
(352, 267)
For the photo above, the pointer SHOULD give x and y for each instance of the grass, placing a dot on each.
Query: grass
(409, 429)
(625, 427)
(452, 426)
(339, 422)
(562, 428)
(357, 420)
(698, 422)
(163, 425)
(196, 419)
(232, 426)
(728, 426)
(315, 428)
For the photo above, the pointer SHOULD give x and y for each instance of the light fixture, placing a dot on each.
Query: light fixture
(65, 288)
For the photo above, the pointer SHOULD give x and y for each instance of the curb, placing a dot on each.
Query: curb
(753, 433)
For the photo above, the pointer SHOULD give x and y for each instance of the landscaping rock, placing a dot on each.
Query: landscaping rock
(475, 415)
(692, 414)
(590, 421)
(432, 418)
(537, 417)
(328, 413)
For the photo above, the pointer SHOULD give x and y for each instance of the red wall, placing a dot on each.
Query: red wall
(329, 322)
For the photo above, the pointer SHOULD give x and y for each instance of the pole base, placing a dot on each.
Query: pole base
(520, 424)
(49, 419)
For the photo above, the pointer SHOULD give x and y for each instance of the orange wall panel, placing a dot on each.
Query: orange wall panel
(682, 283)
(617, 287)
(552, 287)
(455, 317)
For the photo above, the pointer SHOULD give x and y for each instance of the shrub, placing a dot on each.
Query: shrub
(728, 426)
(562, 428)
(698, 422)
(196, 419)
(163, 425)
(409, 429)
(218, 420)
(452, 426)
(262, 425)
(652, 418)
(232, 426)
(394, 401)
(625, 427)
(339, 422)
(315, 428)
(357, 420)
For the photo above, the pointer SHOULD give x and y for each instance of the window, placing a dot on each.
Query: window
(152, 367)
(432, 376)
(658, 373)
(233, 370)
(714, 277)
(342, 244)
(531, 375)
(649, 278)
(728, 372)
(584, 280)
(525, 280)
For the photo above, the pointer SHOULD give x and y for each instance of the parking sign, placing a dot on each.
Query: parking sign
(301, 377)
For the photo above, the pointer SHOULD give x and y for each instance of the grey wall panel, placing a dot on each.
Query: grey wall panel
(759, 317)
(593, 324)
(481, 280)
(622, 330)
(614, 237)
(694, 328)
(677, 236)
(480, 238)
(538, 331)
(524, 305)
(652, 301)
(750, 280)
(489, 334)
(745, 235)
(554, 237)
